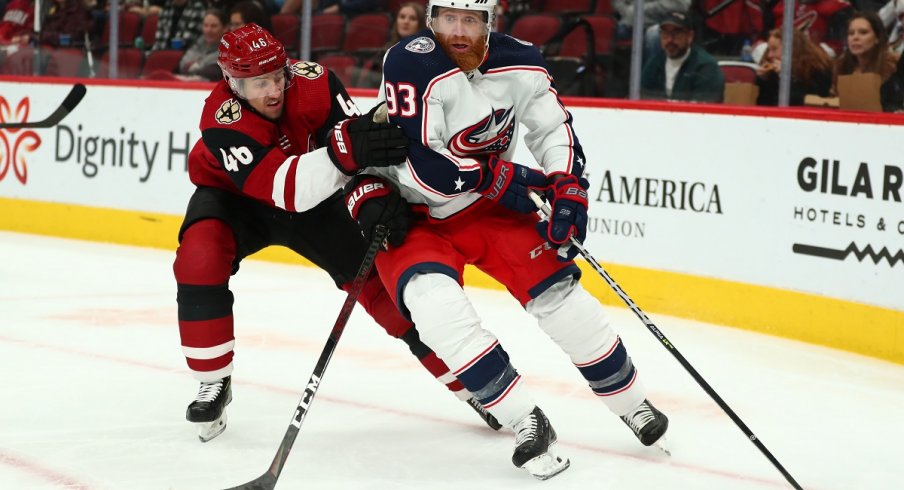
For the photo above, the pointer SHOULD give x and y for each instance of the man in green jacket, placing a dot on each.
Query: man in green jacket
(682, 71)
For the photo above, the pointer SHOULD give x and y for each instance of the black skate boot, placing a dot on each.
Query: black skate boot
(648, 424)
(209, 408)
(534, 447)
(486, 416)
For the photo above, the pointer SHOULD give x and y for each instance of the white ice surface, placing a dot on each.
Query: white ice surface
(94, 388)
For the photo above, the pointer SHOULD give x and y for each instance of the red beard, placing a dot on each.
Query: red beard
(468, 60)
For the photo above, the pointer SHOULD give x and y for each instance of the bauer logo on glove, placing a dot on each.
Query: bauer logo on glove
(508, 184)
(375, 189)
(372, 202)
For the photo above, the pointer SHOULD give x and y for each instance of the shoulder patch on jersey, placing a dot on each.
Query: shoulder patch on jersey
(229, 112)
(421, 45)
(307, 69)
(526, 43)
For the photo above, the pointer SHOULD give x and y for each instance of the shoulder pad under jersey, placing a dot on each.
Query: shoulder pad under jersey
(416, 59)
(506, 50)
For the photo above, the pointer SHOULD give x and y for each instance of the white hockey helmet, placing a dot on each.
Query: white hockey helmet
(486, 6)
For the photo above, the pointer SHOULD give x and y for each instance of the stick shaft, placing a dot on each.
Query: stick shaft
(545, 212)
(268, 480)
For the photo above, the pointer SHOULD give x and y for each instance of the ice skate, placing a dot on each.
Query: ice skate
(535, 443)
(208, 410)
(486, 416)
(649, 425)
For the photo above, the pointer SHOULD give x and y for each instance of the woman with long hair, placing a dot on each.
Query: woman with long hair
(410, 19)
(867, 48)
(811, 70)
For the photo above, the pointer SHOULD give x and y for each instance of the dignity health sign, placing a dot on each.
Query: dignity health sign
(122, 147)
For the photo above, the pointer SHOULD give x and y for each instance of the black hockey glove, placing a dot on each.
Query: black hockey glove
(567, 197)
(508, 184)
(372, 201)
(359, 142)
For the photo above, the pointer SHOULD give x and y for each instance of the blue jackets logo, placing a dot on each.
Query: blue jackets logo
(421, 45)
(492, 134)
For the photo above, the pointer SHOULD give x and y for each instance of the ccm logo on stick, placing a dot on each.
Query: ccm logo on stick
(309, 391)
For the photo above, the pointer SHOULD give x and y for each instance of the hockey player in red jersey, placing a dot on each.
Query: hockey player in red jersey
(462, 94)
(278, 141)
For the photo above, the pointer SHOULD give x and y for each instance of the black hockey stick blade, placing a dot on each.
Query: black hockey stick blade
(75, 96)
(267, 481)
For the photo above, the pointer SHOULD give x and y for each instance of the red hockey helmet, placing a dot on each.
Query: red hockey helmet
(250, 51)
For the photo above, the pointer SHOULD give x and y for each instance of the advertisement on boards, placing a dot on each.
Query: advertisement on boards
(122, 147)
(802, 205)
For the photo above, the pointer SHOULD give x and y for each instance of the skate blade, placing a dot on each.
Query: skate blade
(663, 445)
(547, 465)
(209, 430)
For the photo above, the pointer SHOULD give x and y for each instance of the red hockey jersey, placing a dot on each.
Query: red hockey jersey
(282, 163)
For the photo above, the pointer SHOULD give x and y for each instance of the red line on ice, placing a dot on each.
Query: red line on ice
(41, 472)
(407, 414)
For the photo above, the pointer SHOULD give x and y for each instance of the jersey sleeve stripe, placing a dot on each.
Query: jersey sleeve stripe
(290, 184)
(568, 132)
(279, 182)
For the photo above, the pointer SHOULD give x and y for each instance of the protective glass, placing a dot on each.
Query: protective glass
(460, 23)
(262, 86)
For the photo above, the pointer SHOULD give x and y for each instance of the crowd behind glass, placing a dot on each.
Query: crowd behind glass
(718, 51)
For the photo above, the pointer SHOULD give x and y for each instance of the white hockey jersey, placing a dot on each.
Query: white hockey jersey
(454, 119)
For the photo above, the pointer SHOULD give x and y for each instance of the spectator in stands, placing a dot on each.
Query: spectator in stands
(17, 22)
(867, 49)
(811, 72)
(654, 12)
(66, 22)
(179, 24)
(349, 8)
(200, 60)
(410, 19)
(683, 71)
(248, 12)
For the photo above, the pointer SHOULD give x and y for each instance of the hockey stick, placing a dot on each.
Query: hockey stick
(545, 213)
(267, 481)
(69, 103)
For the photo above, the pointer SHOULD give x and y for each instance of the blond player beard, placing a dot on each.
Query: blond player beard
(469, 60)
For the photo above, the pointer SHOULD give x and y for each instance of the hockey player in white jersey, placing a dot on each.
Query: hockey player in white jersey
(462, 95)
